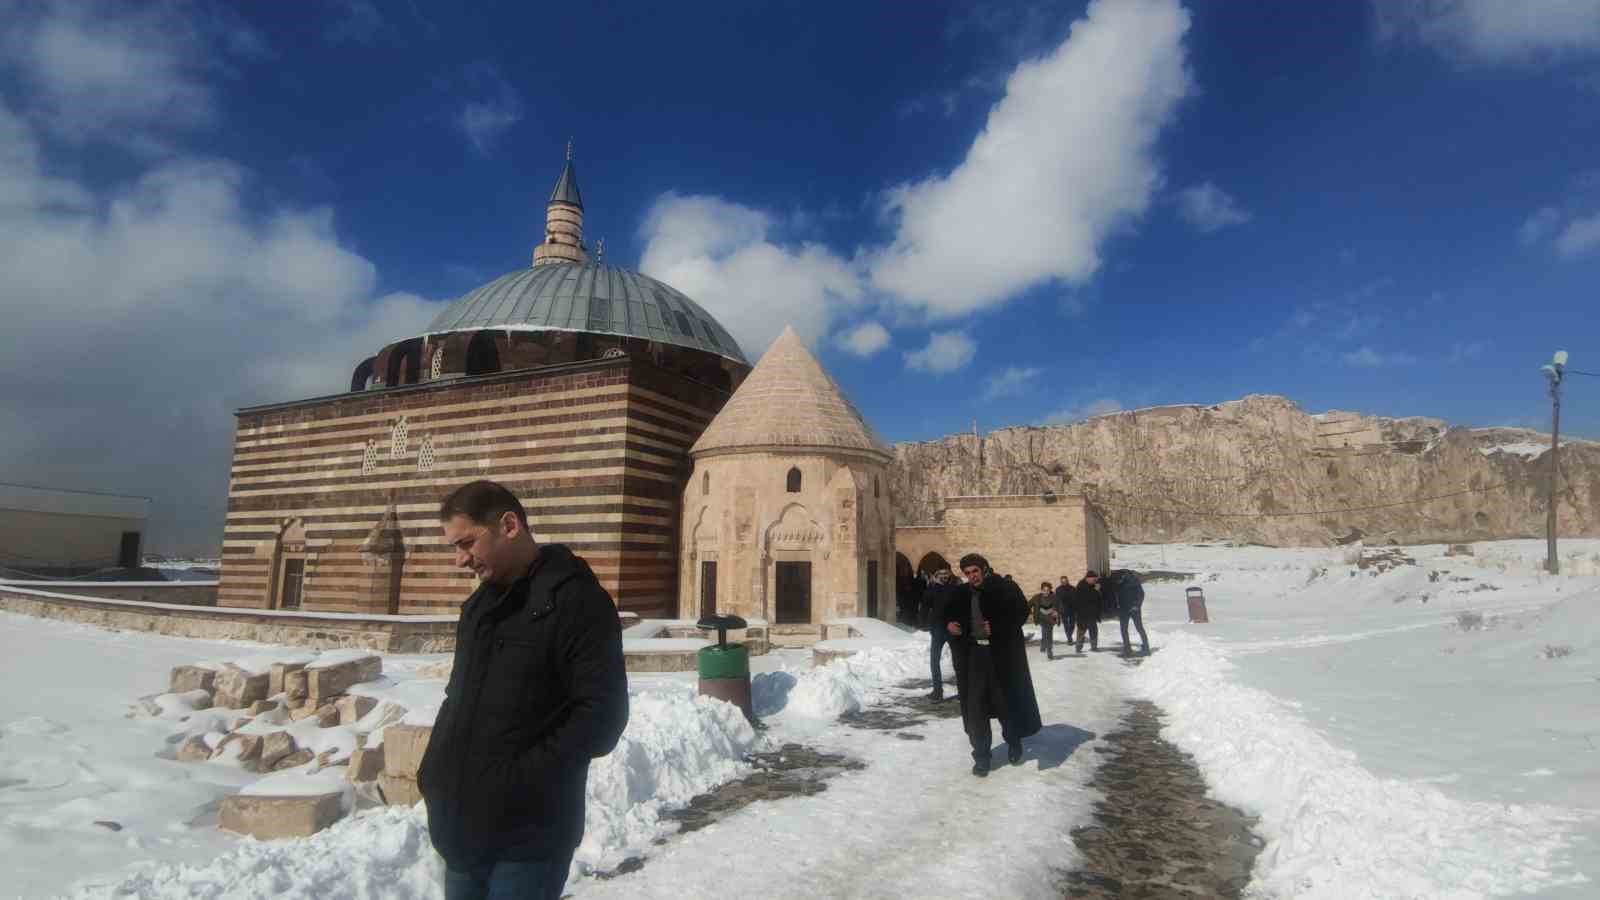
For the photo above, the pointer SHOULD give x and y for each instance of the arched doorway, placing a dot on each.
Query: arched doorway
(906, 595)
(932, 562)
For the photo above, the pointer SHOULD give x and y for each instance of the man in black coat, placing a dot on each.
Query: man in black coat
(537, 690)
(1125, 586)
(943, 591)
(1086, 610)
(1064, 606)
(992, 662)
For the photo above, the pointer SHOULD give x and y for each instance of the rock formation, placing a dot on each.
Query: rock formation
(1261, 470)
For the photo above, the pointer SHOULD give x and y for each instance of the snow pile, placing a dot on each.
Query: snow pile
(677, 745)
(1334, 829)
(1524, 449)
(384, 853)
(823, 693)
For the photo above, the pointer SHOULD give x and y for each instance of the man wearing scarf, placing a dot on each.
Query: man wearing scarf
(992, 662)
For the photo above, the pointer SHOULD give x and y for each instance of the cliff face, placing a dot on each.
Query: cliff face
(1250, 469)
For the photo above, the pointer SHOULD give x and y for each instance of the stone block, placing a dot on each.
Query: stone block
(303, 712)
(249, 752)
(276, 676)
(270, 818)
(236, 688)
(327, 682)
(275, 747)
(403, 749)
(261, 706)
(295, 689)
(399, 791)
(297, 758)
(194, 749)
(327, 715)
(366, 764)
(439, 670)
(354, 707)
(192, 678)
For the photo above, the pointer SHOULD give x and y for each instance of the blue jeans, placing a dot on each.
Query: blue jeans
(935, 656)
(1136, 613)
(536, 879)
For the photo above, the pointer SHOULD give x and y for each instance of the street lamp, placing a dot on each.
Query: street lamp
(1553, 372)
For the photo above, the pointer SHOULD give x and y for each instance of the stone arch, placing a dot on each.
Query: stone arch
(931, 562)
(792, 482)
(483, 355)
(405, 363)
(361, 378)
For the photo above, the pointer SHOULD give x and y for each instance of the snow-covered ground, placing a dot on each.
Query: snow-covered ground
(1427, 731)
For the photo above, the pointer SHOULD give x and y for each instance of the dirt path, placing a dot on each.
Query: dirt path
(1156, 834)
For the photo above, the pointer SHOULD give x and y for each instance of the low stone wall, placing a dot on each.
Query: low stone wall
(754, 638)
(395, 634)
(181, 593)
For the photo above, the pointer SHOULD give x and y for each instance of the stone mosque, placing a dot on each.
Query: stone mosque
(625, 417)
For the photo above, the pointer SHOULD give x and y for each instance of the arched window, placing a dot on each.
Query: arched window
(438, 364)
(483, 357)
(399, 438)
(705, 483)
(874, 485)
(793, 484)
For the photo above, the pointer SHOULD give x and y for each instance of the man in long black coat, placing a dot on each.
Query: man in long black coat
(992, 662)
(1087, 605)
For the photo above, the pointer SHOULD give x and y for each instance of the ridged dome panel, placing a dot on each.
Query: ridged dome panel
(595, 298)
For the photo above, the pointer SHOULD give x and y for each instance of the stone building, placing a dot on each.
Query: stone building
(579, 385)
(787, 514)
(1031, 537)
(57, 533)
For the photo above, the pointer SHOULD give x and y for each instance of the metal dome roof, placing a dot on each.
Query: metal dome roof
(592, 297)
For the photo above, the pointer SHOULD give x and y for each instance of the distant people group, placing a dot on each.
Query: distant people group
(979, 615)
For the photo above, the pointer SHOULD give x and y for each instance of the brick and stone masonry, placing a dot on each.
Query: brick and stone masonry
(341, 493)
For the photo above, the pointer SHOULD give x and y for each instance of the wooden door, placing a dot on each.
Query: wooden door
(708, 588)
(794, 593)
(294, 574)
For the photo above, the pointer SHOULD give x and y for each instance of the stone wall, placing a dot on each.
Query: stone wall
(350, 484)
(1032, 538)
(397, 634)
(182, 593)
(1261, 470)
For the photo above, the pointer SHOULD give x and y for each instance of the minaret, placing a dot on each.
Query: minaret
(563, 222)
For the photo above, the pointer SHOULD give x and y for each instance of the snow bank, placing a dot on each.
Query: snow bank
(1334, 829)
(1524, 449)
(823, 693)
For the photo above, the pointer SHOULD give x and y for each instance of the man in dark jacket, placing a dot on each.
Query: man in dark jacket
(1064, 606)
(942, 591)
(1124, 585)
(1086, 610)
(992, 662)
(1045, 616)
(537, 690)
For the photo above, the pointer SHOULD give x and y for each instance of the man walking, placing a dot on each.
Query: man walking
(942, 591)
(1045, 616)
(1064, 595)
(1086, 610)
(991, 663)
(537, 690)
(1129, 591)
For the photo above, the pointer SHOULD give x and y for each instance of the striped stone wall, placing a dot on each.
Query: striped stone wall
(596, 450)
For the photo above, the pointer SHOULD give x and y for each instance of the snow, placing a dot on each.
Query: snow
(1424, 732)
(641, 645)
(296, 783)
(1524, 449)
(329, 658)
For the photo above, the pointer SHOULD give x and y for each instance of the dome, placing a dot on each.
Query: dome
(790, 403)
(589, 297)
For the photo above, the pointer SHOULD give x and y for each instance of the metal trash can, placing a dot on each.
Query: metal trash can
(1197, 605)
(725, 668)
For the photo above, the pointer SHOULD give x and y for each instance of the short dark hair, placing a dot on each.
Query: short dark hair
(484, 502)
(973, 559)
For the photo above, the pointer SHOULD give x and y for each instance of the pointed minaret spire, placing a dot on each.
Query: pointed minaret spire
(563, 225)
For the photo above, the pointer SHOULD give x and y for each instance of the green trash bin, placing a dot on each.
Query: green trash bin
(725, 670)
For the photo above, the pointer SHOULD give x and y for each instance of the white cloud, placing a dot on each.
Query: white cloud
(727, 258)
(1066, 158)
(1580, 237)
(946, 351)
(124, 74)
(1210, 208)
(1101, 407)
(1494, 30)
(1367, 358)
(1539, 226)
(141, 312)
(484, 121)
(1013, 380)
(865, 339)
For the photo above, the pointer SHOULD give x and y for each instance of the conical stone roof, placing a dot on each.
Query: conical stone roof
(566, 190)
(789, 403)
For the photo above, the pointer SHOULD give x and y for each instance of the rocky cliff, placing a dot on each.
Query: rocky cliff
(1261, 470)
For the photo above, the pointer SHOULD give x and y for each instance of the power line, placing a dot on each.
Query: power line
(1576, 372)
(1314, 512)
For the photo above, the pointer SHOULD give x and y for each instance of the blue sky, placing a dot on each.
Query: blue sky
(1014, 213)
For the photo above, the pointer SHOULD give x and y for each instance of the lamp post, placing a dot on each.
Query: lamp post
(1553, 372)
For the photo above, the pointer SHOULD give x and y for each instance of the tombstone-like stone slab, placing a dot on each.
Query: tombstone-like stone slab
(324, 683)
(270, 818)
(403, 749)
(192, 678)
